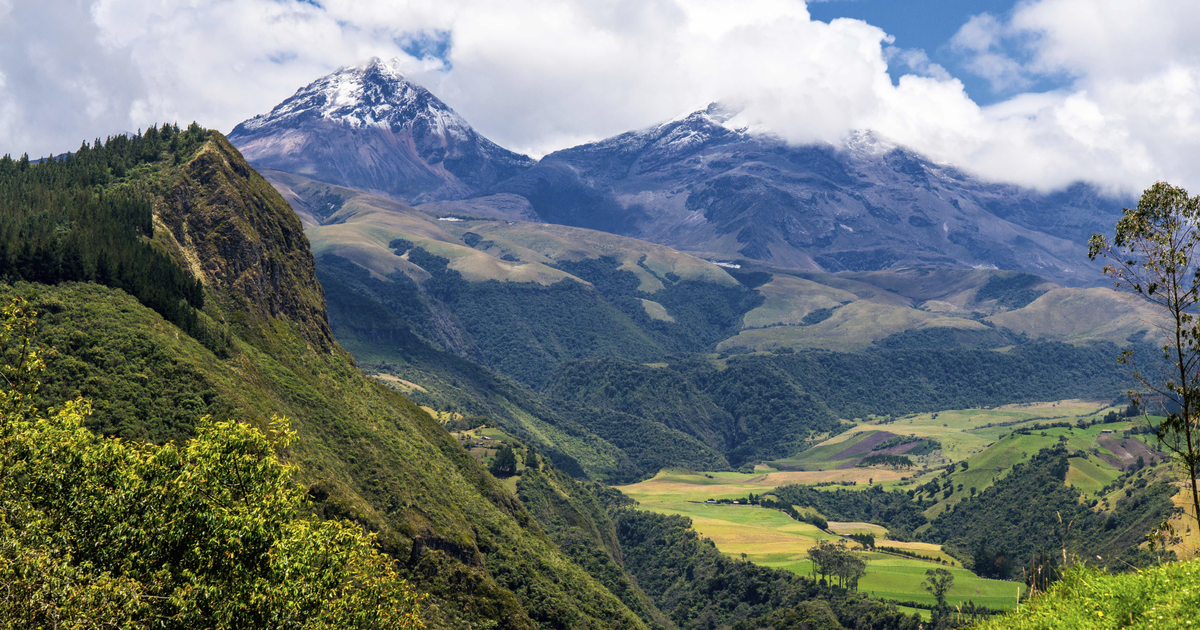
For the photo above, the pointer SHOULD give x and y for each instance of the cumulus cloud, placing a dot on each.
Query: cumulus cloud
(57, 82)
(539, 75)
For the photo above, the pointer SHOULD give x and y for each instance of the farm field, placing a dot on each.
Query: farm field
(771, 538)
(984, 444)
(966, 450)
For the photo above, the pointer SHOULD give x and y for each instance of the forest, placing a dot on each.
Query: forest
(86, 216)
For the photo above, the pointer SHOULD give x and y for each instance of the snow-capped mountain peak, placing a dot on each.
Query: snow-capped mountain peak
(369, 127)
(373, 94)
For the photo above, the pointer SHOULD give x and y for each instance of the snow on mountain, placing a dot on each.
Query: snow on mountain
(702, 183)
(369, 127)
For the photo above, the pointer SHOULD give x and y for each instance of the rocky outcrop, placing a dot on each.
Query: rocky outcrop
(242, 239)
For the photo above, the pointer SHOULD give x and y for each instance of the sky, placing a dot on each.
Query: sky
(1041, 93)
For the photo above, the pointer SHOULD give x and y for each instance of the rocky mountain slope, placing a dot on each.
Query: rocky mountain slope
(700, 184)
(370, 128)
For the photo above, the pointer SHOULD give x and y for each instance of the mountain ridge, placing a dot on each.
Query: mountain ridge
(698, 183)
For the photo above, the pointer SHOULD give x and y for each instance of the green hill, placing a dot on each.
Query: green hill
(364, 452)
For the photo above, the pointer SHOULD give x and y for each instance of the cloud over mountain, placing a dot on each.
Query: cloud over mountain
(540, 75)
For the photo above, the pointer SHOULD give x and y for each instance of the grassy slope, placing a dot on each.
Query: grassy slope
(1163, 597)
(364, 451)
(869, 306)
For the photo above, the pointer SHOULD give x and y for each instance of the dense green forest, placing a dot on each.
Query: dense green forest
(87, 216)
(767, 406)
(896, 510)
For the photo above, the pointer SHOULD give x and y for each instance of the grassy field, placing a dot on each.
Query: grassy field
(771, 538)
(986, 440)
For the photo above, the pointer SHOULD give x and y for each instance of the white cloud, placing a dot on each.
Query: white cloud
(538, 75)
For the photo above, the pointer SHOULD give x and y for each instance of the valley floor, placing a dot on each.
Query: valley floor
(976, 448)
(771, 538)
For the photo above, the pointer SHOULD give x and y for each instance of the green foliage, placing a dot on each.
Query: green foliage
(836, 563)
(505, 463)
(775, 414)
(705, 313)
(524, 330)
(938, 583)
(143, 385)
(576, 519)
(651, 393)
(1011, 291)
(1031, 510)
(1160, 597)
(944, 337)
(103, 532)
(896, 461)
(890, 509)
(992, 562)
(885, 382)
(743, 413)
(649, 443)
(816, 316)
(1154, 256)
(87, 217)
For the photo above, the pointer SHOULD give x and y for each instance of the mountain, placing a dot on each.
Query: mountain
(698, 183)
(189, 292)
(368, 127)
(701, 184)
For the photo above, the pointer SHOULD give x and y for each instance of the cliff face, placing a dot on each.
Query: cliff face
(243, 240)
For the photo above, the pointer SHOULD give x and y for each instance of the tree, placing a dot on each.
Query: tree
(505, 464)
(938, 582)
(1153, 256)
(836, 560)
(101, 532)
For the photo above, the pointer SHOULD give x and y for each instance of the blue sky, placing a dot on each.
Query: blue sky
(929, 25)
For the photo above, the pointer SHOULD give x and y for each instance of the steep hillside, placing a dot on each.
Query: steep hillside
(364, 452)
(370, 128)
